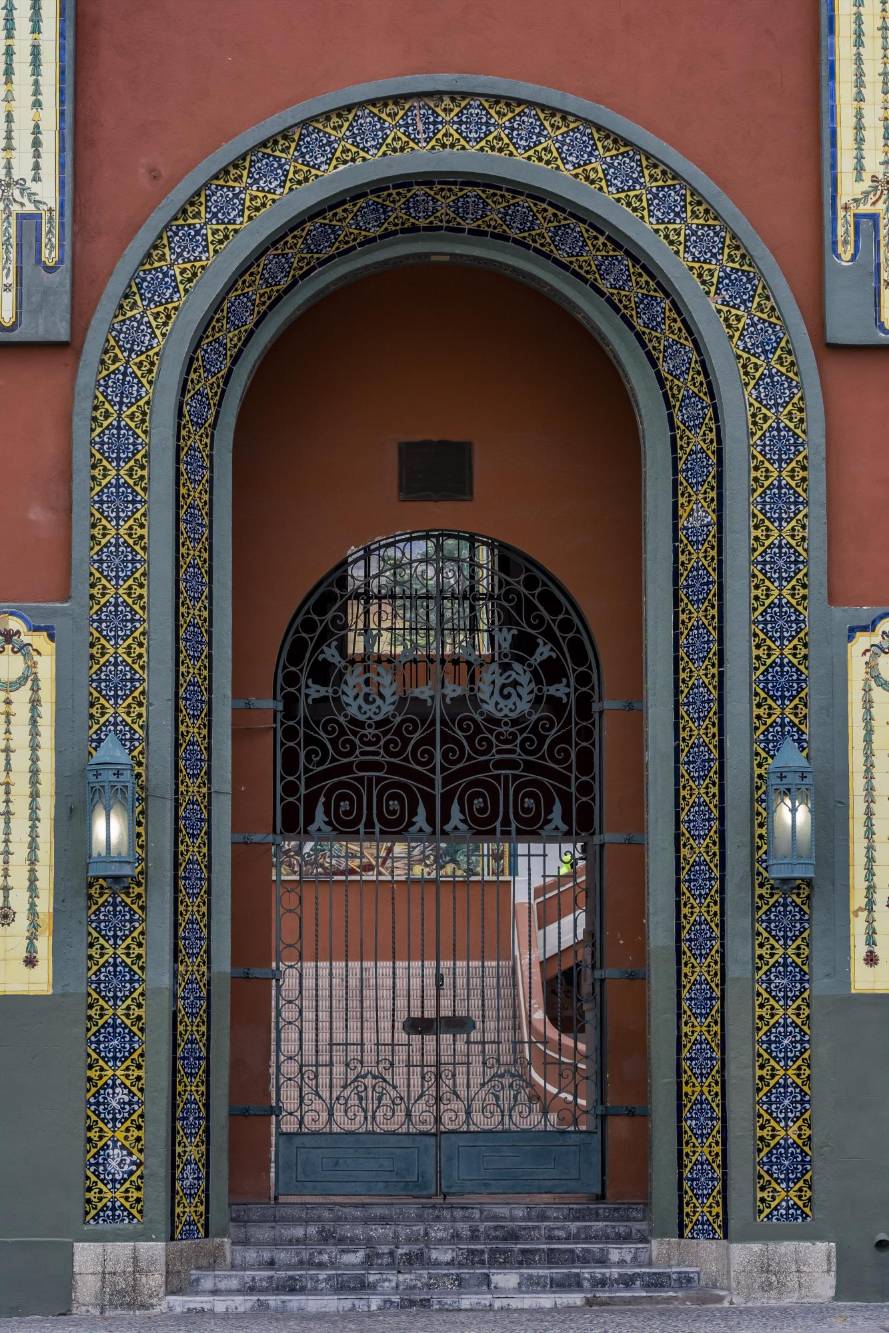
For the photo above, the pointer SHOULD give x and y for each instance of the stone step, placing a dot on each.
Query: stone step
(503, 1280)
(266, 1234)
(249, 1258)
(396, 1211)
(355, 1301)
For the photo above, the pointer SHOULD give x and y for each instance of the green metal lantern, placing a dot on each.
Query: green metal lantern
(111, 801)
(791, 852)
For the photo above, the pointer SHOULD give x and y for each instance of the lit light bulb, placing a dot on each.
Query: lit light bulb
(783, 827)
(117, 830)
(97, 829)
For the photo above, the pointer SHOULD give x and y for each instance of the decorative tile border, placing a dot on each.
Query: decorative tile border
(660, 327)
(27, 802)
(719, 263)
(35, 153)
(856, 76)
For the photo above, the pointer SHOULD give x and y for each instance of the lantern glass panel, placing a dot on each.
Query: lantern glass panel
(98, 828)
(118, 829)
(803, 824)
(783, 826)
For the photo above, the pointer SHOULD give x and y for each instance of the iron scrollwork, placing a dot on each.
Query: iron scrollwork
(437, 754)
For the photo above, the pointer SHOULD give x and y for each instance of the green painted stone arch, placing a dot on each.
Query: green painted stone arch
(608, 201)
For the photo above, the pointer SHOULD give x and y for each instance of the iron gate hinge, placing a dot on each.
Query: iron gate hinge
(622, 1110)
(620, 973)
(619, 839)
(274, 838)
(253, 1110)
(619, 706)
(274, 704)
(255, 973)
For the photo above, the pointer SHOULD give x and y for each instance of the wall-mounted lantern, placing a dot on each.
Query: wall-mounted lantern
(111, 804)
(791, 815)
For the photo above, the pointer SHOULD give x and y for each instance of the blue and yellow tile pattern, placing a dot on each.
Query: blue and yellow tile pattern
(119, 608)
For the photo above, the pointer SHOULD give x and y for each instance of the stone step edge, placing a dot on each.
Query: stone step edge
(617, 1270)
(632, 1211)
(357, 1301)
(445, 1265)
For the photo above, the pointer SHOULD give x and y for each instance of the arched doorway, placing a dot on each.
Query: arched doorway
(563, 479)
(436, 778)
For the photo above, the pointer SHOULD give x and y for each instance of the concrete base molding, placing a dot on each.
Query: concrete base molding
(120, 1276)
(773, 1272)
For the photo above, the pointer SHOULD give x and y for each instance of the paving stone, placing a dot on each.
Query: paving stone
(340, 1316)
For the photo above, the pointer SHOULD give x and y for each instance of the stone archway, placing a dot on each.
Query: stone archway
(616, 202)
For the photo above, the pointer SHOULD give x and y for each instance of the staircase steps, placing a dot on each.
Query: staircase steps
(327, 1257)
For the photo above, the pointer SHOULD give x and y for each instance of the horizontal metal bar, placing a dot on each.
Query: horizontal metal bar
(622, 1110)
(620, 973)
(255, 973)
(257, 837)
(274, 705)
(619, 706)
(619, 839)
(252, 1110)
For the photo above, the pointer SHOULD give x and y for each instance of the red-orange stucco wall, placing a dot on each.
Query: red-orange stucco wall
(436, 351)
(734, 87)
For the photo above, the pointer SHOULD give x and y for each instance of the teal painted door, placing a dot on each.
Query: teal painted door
(437, 783)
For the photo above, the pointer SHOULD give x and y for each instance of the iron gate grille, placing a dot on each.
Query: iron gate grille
(437, 767)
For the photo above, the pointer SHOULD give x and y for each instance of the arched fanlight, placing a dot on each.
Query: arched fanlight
(111, 806)
(791, 852)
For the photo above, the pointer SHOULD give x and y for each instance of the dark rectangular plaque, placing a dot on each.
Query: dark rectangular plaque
(435, 470)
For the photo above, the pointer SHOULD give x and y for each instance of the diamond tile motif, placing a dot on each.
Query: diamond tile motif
(698, 704)
(473, 122)
(781, 622)
(780, 563)
(623, 172)
(785, 1102)
(115, 680)
(114, 1103)
(701, 1119)
(268, 172)
(114, 1042)
(704, 243)
(785, 1041)
(525, 131)
(699, 821)
(700, 1000)
(701, 1059)
(782, 681)
(116, 982)
(699, 879)
(577, 147)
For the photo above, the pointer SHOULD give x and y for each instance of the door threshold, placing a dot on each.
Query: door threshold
(527, 1197)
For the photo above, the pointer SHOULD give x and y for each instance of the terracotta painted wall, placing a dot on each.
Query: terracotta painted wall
(436, 352)
(733, 87)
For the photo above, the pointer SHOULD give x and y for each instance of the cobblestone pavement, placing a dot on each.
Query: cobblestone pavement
(653, 1319)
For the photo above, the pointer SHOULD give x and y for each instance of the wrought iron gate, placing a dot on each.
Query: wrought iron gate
(437, 784)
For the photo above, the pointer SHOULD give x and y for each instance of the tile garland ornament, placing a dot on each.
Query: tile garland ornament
(32, 147)
(776, 415)
(858, 126)
(27, 784)
(868, 694)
